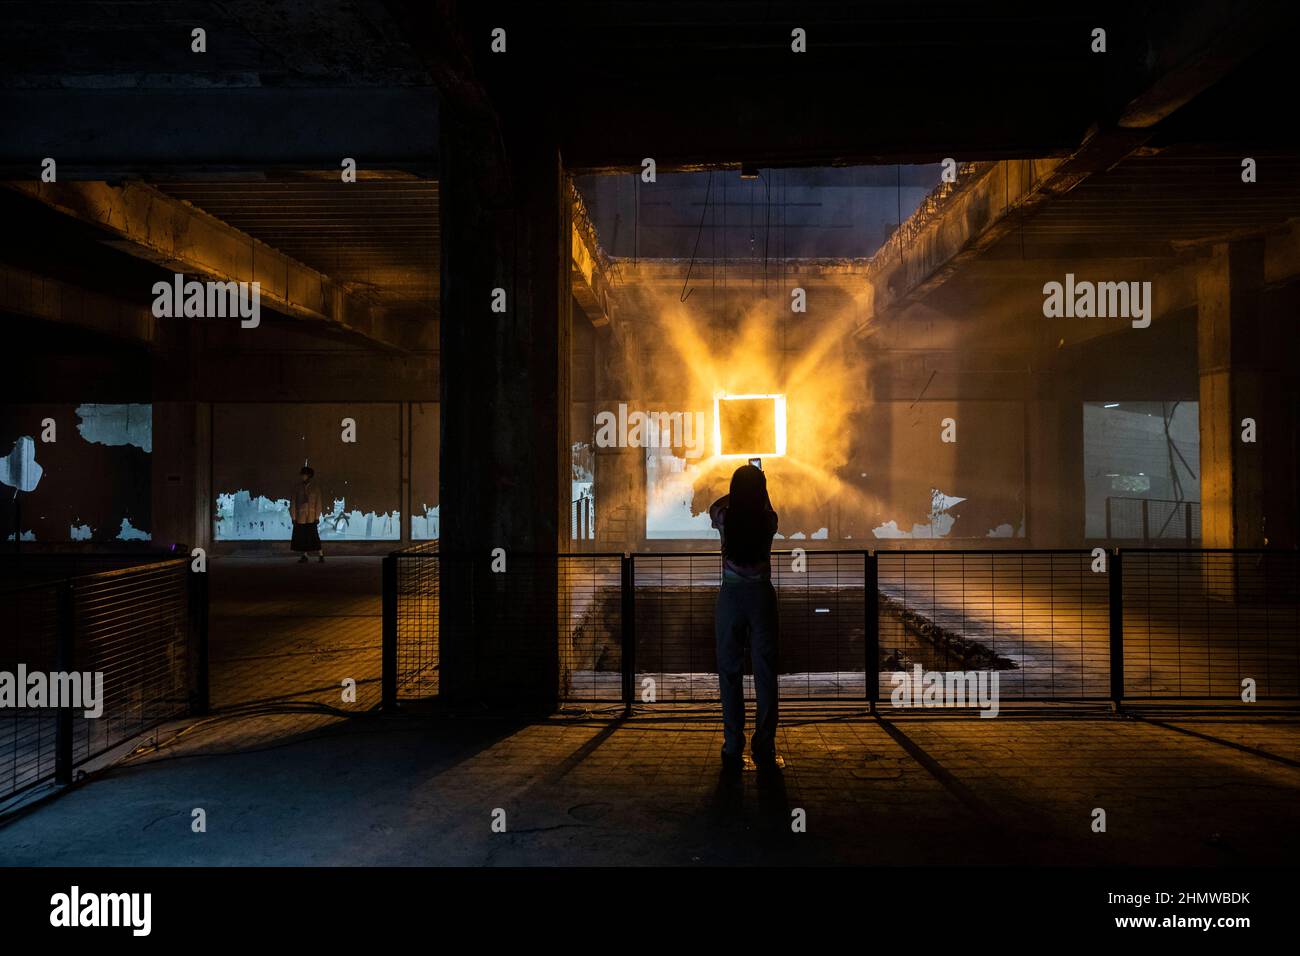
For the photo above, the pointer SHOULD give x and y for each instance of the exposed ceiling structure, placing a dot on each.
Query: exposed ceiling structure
(300, 84)
(377, 237)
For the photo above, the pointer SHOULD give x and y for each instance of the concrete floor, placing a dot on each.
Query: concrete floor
(289, 774)
(279, 630)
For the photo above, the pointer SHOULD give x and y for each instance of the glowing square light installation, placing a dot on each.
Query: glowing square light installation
(749, 426)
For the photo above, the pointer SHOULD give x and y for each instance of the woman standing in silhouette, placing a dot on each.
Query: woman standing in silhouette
(746, 607)
(305, 509)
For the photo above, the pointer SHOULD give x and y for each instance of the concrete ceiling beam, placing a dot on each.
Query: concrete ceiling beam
(588, 266)
(179, 237)
(54, 300)
(929, 248)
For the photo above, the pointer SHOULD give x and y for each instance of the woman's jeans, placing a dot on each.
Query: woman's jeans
(747, 608)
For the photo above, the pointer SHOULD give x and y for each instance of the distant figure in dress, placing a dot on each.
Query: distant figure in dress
(305, 509)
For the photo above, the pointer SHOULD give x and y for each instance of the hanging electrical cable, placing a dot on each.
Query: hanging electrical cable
(698, 233)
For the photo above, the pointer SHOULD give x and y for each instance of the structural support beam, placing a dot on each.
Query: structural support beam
(1208, 40)
(180, 237)
(505, 459)
(54, 300)
(1234, 422)
(926, 250)
(587, 266)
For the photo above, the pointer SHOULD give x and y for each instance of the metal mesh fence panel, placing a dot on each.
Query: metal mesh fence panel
(1037, 618)
(641, 628)
(29, 625)
(590, 620)
(1199, 623)
(132, 626)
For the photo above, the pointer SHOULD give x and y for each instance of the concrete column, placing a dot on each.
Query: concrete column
(1281, 446)
(504, 414)
(1054, 488)
(620, 472)
(181, 496)
(181, 499)
(1231, 370)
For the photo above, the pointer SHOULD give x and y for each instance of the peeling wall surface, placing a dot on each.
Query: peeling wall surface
(240, 517)
(424, 526)
(258, 450)
(940, 523)
(425, 425)
(76, 472)
(116, 425)
(918, 486)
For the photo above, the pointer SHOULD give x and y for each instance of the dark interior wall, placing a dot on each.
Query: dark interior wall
(87, 478)
(1153, 364)
(259, 448)
(424, 428)
(50, 370)
(58, 363)
(906, 461)
(295, 361)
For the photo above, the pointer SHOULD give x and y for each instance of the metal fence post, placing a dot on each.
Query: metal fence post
(628, 631)
(200, 696)
(871, 626)
(65, 652)
(1116, 582)
(388, 651)
(1146, 521)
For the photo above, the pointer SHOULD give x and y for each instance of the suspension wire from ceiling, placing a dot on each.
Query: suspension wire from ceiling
(751, 238)
(767, 226)
(684, 295)
(1171, 449)
(898, 174)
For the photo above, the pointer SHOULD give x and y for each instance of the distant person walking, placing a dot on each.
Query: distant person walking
(746, 608)
(305, 509)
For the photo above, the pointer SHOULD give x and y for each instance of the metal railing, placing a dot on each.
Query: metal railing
(1199, 623)
(142, 626)
(1055, 625)
(1152, 519)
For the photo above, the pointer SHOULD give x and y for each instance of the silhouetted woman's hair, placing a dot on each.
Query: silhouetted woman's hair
(748, 524)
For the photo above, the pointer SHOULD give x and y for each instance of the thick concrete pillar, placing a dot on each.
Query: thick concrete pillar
(1230, 322)
(181, 474)
(181, 498)
(1281, 386)
(1054, 487)
(505, 455)
(620, 471)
